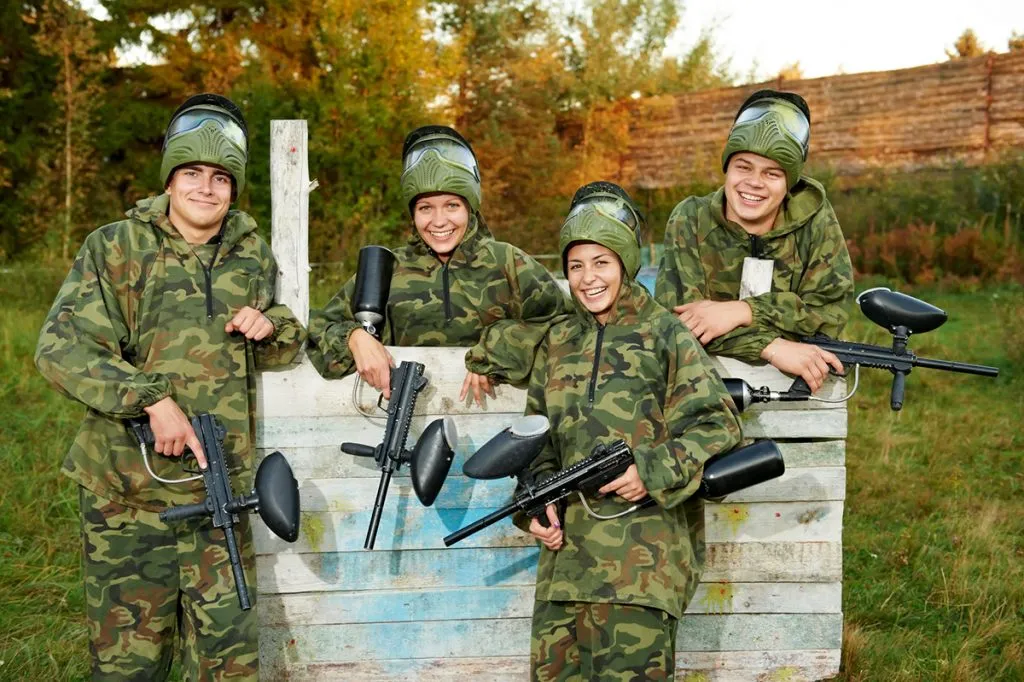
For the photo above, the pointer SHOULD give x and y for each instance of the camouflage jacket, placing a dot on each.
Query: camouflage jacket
(641, 377)
(812, 281)
(490, 295)
(137, 320)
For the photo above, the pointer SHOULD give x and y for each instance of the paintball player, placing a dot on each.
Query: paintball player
(453, 283)
(168, 314)
(611, 588)
(761, 261)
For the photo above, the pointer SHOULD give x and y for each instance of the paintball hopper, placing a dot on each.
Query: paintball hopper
(893, 310)
(275, 496)
(741, 468)
(511, 451)
(431, 459)
(373, 286)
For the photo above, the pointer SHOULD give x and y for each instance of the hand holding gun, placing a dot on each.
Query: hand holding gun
(902, 315)
(511, 451)
(275, 494)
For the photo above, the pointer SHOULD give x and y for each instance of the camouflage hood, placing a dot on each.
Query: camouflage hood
(153, 210)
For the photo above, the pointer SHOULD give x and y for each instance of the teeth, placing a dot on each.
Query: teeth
(750, 197)
(443, 235)
(595, 292)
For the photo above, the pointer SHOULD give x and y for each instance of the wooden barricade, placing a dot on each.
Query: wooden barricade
(769, 606)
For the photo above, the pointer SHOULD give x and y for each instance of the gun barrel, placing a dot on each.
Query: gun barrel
(479, 525)
(962, 367)
(184, 511)
(378, 508)
(236, 568)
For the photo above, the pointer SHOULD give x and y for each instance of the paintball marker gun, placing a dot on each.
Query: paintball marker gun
(511, 451)
(429, 460)
(275, 494)
(902, 315)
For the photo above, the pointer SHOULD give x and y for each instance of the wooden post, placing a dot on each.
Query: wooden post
(289, 196)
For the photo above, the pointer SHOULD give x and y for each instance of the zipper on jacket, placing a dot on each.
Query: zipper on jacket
(756, 246)
(447, 296)
(597, 364)
(208, 275)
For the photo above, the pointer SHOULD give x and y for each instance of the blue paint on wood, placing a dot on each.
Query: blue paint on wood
(511, 637)
(382, 570)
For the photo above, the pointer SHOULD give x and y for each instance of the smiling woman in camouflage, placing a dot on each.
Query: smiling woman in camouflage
(453, 284)
(168, 314)
(762, 261)
(610, 590)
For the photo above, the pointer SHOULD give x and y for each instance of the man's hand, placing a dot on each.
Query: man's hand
(172, 431)
(479, 384)
(710, 319)
(373, 361)
(250, 322)
(552, 535)
(805, 360)
(628, 486)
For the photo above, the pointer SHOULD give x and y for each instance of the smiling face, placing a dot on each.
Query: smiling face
(754, 189)
(595, 276)
(200, 198)
(441, 221)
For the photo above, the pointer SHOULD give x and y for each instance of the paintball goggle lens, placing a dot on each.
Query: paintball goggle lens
(793, 120)
(609, 207)
(194, 118)
(451, 151)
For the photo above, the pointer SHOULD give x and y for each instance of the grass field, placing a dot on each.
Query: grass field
(934, 527)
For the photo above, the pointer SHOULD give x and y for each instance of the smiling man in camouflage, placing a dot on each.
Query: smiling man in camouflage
(762, 261)
(168, 314)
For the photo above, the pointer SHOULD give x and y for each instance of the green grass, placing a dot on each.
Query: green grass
(934, 527)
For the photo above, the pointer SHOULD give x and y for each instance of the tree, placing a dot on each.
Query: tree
(1016, 42)
(966, 46)
(791, 72)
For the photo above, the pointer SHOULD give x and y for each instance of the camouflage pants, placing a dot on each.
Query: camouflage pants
(606, 642)
(147, 581)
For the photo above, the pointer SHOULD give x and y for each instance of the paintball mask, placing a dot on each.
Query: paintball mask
(602, 212)
(209, 129)
(775, 125)
(438, 159)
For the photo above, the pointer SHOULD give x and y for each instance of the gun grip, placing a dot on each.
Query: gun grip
(899, 382)
(358, 449)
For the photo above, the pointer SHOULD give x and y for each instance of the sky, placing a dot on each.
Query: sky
(828, 37)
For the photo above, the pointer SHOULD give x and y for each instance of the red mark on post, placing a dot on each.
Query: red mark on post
(293, 150)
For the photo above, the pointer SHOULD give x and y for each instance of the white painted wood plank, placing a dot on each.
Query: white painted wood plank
(517, 602)
(474, 567)
(728, 666)
(460, 492)
(327, 462)
(511, 636)
(301, 392)
(407, 525)
(289, 200)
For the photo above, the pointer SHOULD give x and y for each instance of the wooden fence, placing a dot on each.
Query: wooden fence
(962, 111)
(769, 606)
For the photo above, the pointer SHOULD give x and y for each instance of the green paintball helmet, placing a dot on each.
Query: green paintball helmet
(775, 125)
(207, 128)
(602, 212)
(438, 159)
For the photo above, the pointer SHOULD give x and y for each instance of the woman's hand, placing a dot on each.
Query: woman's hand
(710, 319)
(805, 360)
(552, 535)
(373, 361)
(479, 384)
(628, 486)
